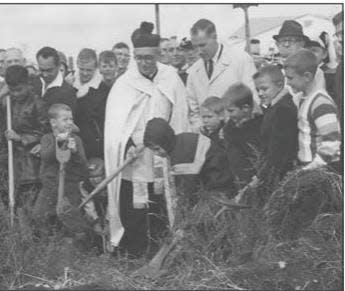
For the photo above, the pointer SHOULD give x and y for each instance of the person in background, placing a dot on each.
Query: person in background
(319, 135)
(51, 85)
(89, 115)
(14, 56)
(190, 52)
(107, 65)
(122, 53)
(218, 68)
(324, 50)
(241, 133)
(213, 118)
(178, 61)
(255, 47)
(338, 21)
(32, 69)
(63, 64)
(29, 123)
(164, 51)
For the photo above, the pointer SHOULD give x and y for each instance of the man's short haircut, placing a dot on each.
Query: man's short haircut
(55, 109)
(203, 25)
(47, 52)
(16, 75)
(238, 95)
(107, 57)
(273, 71)
(120, 45)
(338, 18)
(214, 104)
(254, 41)
(301, 62)
(87, 55)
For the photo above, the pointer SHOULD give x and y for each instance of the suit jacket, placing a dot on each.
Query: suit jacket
(233, 66)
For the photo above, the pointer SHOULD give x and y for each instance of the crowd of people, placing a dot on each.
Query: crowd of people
(224, 118)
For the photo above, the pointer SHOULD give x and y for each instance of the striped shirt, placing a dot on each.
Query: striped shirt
(319, 129)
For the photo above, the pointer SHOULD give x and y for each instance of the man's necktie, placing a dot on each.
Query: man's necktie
(209, 68)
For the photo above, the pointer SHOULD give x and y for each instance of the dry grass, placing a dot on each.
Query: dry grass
(229, 249)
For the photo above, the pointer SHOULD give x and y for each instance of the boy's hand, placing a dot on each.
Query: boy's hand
(72, 145)
(36, 150)
(62, 136)
(12, 135)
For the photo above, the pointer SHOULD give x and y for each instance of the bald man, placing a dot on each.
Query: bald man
(14, 56)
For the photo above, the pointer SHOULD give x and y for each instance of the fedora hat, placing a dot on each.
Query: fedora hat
(291, 28)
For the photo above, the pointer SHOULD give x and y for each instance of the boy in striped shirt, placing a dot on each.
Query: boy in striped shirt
(319, 134)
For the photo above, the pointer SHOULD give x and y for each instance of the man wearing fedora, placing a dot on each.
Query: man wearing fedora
(289, 41)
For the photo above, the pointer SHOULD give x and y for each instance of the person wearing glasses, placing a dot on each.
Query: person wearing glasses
(148, 89)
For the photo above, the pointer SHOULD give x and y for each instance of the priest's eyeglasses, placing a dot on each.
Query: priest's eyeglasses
(146, 58)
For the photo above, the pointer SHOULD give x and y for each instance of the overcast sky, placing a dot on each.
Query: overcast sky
(72, 27)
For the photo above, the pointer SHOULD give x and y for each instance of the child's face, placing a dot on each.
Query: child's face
(86, 70)
(210, 119)
(267, 89)
(19, 91)
(238, 114)
(108, 70)
(319, 53)
(158, 151)
(297, 82)
(63, 122)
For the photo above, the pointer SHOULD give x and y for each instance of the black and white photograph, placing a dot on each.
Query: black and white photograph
(171, 146)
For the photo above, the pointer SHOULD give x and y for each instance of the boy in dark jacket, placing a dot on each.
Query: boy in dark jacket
(29, 123)
(241, 133)
(61, 120)
(212, 115)
(279, 131)
(192, 155)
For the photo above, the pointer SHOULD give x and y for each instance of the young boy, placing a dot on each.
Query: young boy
(279, 125)
(319, 135)
(107, 65)
(61, 121)
(29, 123)
(192, 155)
(212, 116)
(241, 133)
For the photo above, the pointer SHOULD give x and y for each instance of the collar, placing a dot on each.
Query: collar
(279, 96)
(57, 82)
(152, 76)
(218, 54)
(83, 89)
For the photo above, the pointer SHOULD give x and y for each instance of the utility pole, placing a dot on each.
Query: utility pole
(245, 8)
(158, 27)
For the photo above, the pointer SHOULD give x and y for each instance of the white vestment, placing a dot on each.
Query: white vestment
(132, 102)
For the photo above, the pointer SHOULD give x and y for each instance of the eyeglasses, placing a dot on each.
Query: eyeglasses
(287, 41)
(146, 58)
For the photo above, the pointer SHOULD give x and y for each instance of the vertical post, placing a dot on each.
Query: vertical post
(10, 162)
(158, 28)
(246, 18)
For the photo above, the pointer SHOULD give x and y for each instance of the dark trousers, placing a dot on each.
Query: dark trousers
(143, 227)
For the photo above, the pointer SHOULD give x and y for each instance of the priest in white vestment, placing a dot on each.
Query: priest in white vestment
(148, 89)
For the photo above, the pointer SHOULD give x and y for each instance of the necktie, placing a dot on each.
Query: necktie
(210, 69)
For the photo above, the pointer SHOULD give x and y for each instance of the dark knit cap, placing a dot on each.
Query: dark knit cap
(16, 75)
(159, 132)
(143, 37)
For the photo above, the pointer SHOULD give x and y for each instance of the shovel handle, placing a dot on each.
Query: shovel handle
(108, 179)
(61, 188)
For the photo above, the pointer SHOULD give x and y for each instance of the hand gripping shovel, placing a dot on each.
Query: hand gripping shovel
(69, 215)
